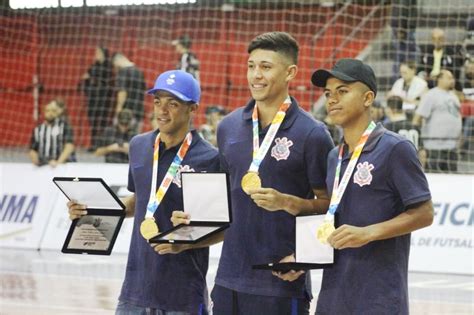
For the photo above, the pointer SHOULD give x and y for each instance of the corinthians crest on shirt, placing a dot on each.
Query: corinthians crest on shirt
(177, 177)
(281, 149)
(363, 175)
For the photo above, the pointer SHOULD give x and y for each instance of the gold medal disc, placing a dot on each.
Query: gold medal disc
(148, 228)
(324, 230)
(251, 180)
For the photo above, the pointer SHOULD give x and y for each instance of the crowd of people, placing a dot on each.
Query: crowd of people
(430, 101)
(364, 163)
(282, 163)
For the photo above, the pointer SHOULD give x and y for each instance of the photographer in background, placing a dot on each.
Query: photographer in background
(114, 142)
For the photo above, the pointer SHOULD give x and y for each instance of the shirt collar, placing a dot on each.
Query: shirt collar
(196, 138)
(290, 117)
(374, 138)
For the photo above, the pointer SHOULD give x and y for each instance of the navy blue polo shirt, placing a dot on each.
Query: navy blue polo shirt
(169, 282)
(295, 164)
(388, 178)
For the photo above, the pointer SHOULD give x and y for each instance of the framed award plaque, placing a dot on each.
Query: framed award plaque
(94, 233)
(206, 197)
(310, 252)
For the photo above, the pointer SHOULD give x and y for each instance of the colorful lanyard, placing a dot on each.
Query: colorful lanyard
(338, 190)
(156, 196)
(259, 152)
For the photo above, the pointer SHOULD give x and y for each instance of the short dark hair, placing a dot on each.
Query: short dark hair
(280, 42)
(215, 109)
(395, 103)
(410, 64)
(185, 41)
(125, 116)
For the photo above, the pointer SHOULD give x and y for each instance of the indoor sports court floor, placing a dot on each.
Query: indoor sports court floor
(51, 283)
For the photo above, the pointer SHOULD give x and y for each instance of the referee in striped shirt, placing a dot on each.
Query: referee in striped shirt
(52, 141)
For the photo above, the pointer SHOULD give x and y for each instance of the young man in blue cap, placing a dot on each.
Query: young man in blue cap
(157, 282)
(380, 195)
(276, 156)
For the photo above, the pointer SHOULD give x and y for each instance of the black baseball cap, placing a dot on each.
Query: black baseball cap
(348, 70)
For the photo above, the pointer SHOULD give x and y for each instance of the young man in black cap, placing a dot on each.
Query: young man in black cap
(380, 195)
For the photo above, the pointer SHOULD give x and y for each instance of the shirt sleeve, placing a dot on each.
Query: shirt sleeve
(317, 147)
(406, 175)
(68, 133)
(224, 167)
(131, 182)
(194, 61)
(215, 164)
(108, 137)
(121, 80)
(34, 145)
(424, 109)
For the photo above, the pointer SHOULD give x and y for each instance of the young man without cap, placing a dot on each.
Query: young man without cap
(276, 155)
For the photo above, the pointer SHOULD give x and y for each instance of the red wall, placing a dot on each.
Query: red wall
(59, 47)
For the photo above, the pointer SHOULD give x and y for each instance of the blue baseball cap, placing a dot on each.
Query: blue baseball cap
(179, 83)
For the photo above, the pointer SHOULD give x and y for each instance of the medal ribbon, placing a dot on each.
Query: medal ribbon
(338, 190)
(259, 152)
(156, 196)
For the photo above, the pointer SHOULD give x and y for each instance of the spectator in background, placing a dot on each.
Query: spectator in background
(468, 86)
(377, 112)
(130, 87)
(399, 123)
(114, 143)
(409, 87)
(188, 61)
(334, 130)
(96, 84)
(62, 110)
(441, 130)
(153, 121)
(438, 56)
(52, 141)
(467, 110)
(468, 43)
(214, 115)
(403, 22)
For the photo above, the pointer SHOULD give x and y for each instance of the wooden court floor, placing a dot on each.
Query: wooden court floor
(50, 283)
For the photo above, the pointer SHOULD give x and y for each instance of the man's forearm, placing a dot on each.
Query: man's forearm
(121, 98)
(299, 206)
(34, 157)
(407, 222)
(68, 149)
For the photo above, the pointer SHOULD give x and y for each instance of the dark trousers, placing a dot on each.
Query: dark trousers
(229, 302)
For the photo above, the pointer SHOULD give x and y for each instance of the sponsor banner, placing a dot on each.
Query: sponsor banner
(33, 214)
(447, 246)
(116, 176)
(27, 196)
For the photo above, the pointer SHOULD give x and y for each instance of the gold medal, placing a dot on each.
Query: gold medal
(251, 180)
(324, 230)
(149, 228)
